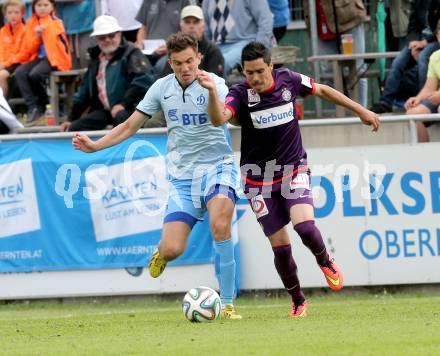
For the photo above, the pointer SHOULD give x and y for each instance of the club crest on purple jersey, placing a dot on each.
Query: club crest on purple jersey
(286, 94)
(253, 96)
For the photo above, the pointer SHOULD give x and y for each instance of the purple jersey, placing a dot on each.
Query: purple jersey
(269, 124)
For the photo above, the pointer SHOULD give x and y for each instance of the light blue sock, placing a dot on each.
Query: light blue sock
(225, 254)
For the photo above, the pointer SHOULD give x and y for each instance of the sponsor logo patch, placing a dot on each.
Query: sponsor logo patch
(259, 206)
(188, 119)
(301, 181)
(172, 115)
(305, 80)
(273, 116)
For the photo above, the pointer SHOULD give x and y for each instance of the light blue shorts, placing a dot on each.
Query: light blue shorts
(188, 198)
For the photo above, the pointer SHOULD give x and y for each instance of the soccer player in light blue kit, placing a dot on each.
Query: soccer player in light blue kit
(200, 164)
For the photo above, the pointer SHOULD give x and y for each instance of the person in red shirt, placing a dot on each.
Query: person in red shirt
(11, 36)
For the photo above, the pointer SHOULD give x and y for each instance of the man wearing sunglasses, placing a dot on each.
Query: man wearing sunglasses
(116, 80)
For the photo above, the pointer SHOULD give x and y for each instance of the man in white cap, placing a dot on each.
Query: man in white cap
(192, 23)
(115, 82)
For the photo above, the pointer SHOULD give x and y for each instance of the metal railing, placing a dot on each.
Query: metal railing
(410, 119)
(385, 119)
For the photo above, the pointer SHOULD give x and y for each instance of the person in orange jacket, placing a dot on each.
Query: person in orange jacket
(11, 36)
(45, 48)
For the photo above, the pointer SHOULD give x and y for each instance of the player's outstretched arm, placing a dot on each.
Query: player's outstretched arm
(327, 93)
(216, 108)
(118, 134)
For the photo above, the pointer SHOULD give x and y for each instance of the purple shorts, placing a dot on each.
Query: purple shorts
(271, 203)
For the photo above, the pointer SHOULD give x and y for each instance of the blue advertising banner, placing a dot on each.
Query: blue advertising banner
(63, 209)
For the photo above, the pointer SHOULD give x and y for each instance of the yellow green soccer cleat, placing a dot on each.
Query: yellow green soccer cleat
(228, 312)
(157, 264)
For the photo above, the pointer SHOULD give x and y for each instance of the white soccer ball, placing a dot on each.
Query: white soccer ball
(201, 304)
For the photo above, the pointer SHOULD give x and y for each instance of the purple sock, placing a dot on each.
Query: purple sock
(311, 237)
(286, 268)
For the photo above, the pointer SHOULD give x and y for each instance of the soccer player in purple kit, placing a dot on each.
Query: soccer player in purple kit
(274, 162)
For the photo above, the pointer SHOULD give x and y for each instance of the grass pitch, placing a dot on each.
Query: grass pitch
(344, 324)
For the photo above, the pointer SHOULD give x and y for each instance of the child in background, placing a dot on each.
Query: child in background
(45, 48)
(11, 36)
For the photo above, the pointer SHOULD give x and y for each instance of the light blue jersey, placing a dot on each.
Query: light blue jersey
(192, 140)
(199, 161)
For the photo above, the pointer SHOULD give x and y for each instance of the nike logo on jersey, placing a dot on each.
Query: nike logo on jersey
(252, 104)
(166, 97)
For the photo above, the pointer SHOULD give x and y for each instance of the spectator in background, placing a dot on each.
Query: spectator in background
(332, 22)
(11, 37)
(116, 80)
(192, 23)
(405, 22)
(428, 100)
(45, 48)
(407, 75)
(159, 20)
(233, 24)
(281, 17)
(125, 12)
(78, 17)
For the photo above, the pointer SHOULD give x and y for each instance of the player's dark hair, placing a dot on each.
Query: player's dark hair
(179, 41)
(255, 50)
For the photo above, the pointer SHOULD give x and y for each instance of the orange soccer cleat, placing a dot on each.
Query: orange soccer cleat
(333, 275)
(299, 311)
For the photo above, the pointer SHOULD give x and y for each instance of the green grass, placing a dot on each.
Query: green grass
(344, 324)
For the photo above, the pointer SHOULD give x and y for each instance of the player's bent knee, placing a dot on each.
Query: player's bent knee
(279, 238)
(221, 229)
(170, 252)
(305, 228)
